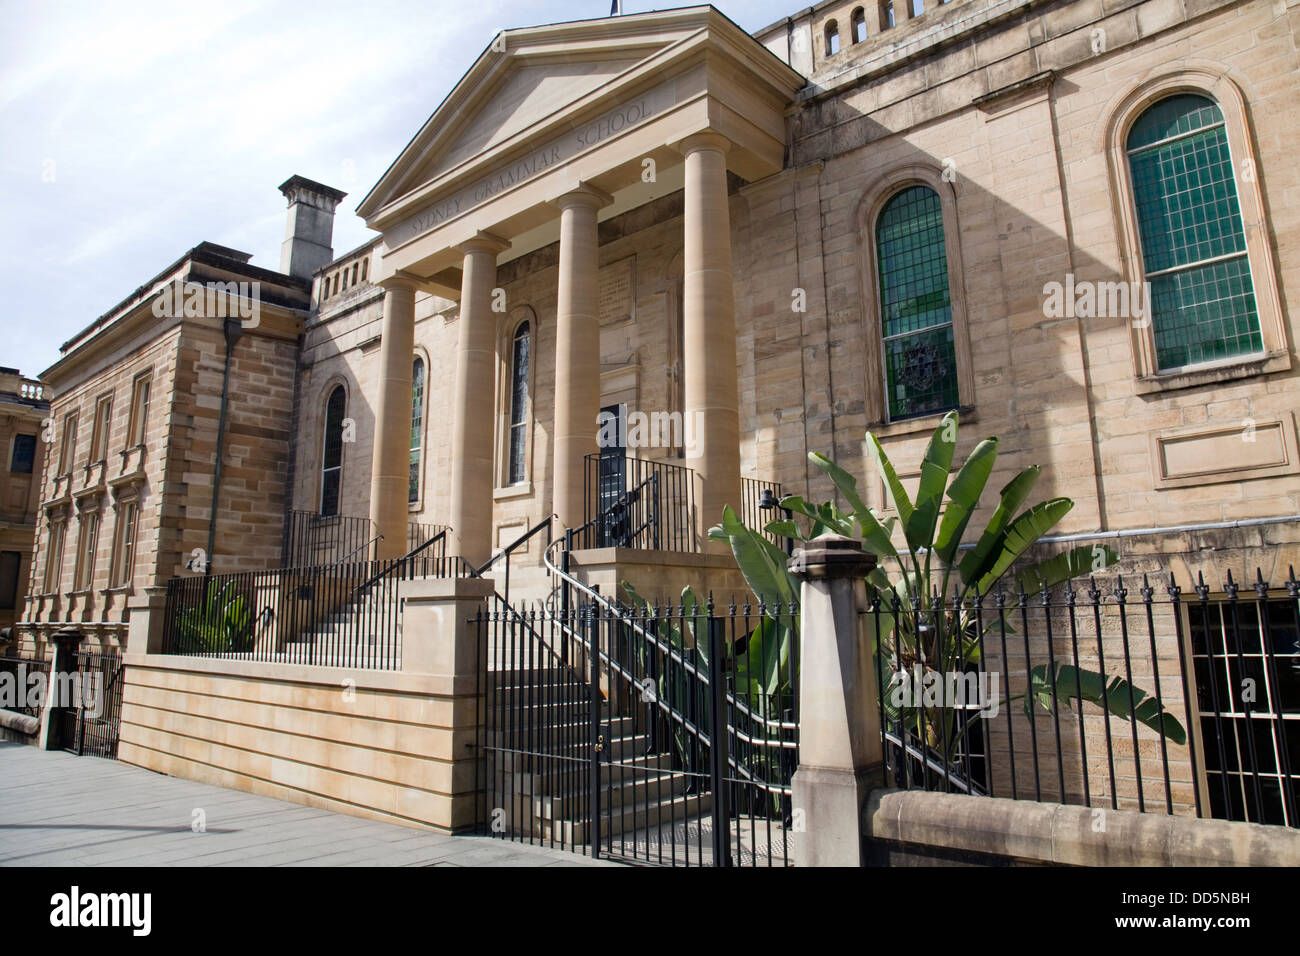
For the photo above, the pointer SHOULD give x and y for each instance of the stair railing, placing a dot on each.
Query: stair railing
(511, 548)
(397, 564)
(616, 668)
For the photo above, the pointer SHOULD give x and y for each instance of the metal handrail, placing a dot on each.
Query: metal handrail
(911, 750)
(512, 546)
(397, 562)
(344, 559)
(616, 668)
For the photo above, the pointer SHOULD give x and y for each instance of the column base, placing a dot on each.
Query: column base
(830, 802)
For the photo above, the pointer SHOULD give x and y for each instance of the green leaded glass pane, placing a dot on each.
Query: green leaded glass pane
(921, 370)
(1174, 116)
(1188, 214)
(915, 307)
(519, 404)
(417, 428)
(1205, 313)
(1187, 205)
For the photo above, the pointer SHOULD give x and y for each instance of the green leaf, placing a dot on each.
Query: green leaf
(761, 669)
(1117, 697)
(784, 528)
(696, 614)
(845, 483)
(1086, 559)
(919, 528)
(897, 493)
(975, 565)
(761, 562)
(1021, 535)
(964, 497)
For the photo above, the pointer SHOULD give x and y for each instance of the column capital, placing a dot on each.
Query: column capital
(584, 195)
(706, 139)
(401, 280)
(484, 242)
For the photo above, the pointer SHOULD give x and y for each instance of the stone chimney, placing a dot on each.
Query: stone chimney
(309, 231)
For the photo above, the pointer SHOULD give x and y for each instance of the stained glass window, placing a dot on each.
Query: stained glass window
(417, 427)
(1190, 226)
(332, 461)
(915, 307)
(519, 405)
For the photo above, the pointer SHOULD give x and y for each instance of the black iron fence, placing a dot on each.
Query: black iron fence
(1101, 696)
(313, 540)
(661, 735)
(89, 700)
(637, 503)
(418, 535)
(347, 614)
(759, 504)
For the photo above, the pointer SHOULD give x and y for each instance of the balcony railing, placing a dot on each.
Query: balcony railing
(637, 503)
(759, 504)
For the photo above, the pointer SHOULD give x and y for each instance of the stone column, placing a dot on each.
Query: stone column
(577, 350)
(63, 666)
(841, 756)
(709, 320)
(390, 468)
(474, 415)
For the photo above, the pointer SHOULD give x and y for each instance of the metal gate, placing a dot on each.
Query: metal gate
(90, 722)
(598, 732)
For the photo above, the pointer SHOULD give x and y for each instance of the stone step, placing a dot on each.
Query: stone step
(623, 786)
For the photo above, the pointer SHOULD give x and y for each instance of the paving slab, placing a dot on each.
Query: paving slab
(57, 809)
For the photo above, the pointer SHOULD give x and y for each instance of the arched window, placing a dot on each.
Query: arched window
(332, 459)
(417, 427)
(516, 471)
(1189, 223)
(886, 14)
(920, 363)
(832, 38)
(858, 25)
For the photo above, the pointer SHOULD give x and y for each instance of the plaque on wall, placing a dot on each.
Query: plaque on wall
(617, 291)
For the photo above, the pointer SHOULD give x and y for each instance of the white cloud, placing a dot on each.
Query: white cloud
(172, 123)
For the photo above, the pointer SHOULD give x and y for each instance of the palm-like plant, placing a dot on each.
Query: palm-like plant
(220, 623)
(920, 624)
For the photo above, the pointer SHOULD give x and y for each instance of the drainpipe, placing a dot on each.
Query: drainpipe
(233, 330)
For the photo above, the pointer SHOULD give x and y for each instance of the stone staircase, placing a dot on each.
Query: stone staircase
(540, 772)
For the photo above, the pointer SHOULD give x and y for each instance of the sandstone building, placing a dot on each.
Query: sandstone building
(23, 410)
(1077, 221)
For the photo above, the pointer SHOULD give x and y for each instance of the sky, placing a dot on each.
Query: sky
(132, 131)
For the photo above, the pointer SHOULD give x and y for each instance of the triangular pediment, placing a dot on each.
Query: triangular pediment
(528, 96)
(541, 72)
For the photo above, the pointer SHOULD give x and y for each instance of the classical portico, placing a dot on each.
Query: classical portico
(553, 130)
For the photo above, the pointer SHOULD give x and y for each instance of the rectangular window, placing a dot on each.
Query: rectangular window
(124, 566)
(10, 562)
(1247, 669)
(139, 424)
(103, 425)
(69, 447)
(87, 546)
(24, 456)
(54, 557)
